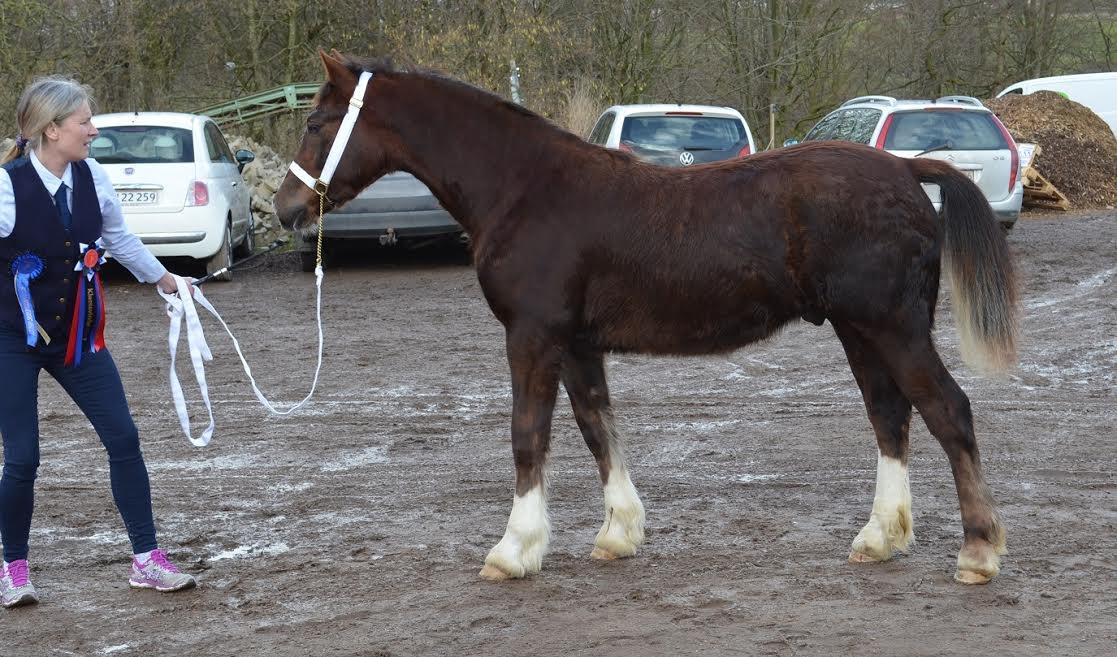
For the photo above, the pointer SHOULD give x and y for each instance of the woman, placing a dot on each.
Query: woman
(58, 214)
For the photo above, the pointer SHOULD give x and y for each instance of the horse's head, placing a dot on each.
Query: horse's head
(363, 158)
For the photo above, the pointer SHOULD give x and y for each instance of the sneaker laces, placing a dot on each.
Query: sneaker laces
(17, 570)
(161, 560)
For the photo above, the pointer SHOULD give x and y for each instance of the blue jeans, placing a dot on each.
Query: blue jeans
(96, 388)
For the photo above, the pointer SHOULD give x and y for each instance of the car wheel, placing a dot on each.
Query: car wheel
(223, 257)
(248, 246)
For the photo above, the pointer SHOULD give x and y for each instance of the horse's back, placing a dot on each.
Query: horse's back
(712, 258)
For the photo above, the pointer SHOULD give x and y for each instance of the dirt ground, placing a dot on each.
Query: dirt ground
(357, 526)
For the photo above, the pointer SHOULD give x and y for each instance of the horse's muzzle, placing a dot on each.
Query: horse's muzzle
(292, 217)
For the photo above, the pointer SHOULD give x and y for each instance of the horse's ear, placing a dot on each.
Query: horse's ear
(335, 70)
(337, 55)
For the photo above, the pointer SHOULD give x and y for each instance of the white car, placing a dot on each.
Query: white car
(179, 184)
(958, 129)
(674, 135)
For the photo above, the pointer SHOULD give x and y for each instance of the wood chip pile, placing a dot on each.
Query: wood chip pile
(1078, 150)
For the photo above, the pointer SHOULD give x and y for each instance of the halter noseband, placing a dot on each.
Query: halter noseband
(322, 183)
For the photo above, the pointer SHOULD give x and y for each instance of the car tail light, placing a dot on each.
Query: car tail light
(745, 151)
(197, 194)
(1012, 149)
(884, 132)
(682, 113)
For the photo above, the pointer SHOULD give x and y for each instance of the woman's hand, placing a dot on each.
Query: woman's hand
(169, 286)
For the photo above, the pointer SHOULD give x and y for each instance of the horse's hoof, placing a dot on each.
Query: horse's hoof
(870, 548)
(493, 574)
(978, 563)
(861, 557)
(971, 577)
(602, 554)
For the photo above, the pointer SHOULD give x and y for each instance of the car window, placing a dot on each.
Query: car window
(690, 133)
(601, 131)
(218, 149)
(856, 125)
(961, 130)
(142, 144)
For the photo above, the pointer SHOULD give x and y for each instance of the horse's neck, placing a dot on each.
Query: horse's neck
(469, 150)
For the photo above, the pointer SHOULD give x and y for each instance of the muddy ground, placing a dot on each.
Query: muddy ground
(358, 525)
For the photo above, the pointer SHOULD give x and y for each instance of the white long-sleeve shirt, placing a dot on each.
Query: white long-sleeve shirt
(125, 247)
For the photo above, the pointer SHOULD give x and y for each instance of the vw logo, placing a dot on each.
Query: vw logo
(129, 171)
(686, 158)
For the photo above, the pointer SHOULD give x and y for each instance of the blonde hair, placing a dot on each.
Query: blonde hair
(46, 100)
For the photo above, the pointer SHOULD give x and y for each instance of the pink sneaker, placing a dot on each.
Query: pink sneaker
(160, 574)
(16, 589)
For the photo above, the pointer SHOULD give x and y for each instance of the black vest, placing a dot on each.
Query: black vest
(38, 230)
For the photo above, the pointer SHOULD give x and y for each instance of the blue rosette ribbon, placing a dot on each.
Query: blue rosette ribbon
(26, 267)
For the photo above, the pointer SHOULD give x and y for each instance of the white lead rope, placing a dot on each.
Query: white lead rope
(180, 308)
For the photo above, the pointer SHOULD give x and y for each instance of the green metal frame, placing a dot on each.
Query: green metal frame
(287, 98)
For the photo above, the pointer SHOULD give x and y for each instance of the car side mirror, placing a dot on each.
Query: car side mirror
(790, 142)
(243, 157)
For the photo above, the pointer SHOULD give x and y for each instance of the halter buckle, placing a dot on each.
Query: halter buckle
(320, 187)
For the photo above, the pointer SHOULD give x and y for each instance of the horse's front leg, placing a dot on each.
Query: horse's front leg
(534, 363)
(583, 375)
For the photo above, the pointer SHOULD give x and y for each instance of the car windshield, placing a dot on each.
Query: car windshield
(682, 133)
(141, 144)
(955, 129)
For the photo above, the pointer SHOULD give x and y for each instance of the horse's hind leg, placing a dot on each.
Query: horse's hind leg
(890, 526)
(583, 375)
(917, 369)
(535, 366)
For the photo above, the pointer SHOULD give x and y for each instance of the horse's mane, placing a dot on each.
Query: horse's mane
(379, 65)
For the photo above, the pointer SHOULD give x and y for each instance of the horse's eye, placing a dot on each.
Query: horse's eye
(312, 128)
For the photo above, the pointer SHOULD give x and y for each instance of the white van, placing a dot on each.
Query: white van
(1098, 91)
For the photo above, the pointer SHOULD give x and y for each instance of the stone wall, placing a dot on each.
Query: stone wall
(263, 176)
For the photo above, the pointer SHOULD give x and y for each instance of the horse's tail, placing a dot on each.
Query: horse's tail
(977, 261)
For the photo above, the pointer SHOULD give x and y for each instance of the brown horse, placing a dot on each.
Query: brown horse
(582, 251)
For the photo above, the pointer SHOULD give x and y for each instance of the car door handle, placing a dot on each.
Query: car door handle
(234, 184)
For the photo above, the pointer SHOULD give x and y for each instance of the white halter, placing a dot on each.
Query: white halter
(320, 184)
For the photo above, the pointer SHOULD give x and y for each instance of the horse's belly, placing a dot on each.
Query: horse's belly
(685, 328)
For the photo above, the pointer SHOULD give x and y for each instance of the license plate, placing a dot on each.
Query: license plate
(138, 198)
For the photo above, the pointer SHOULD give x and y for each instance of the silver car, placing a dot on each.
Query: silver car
(398, 208)
(958, 129)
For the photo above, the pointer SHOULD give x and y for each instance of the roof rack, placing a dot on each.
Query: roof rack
(884, 100)
(960, 100)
